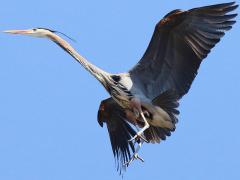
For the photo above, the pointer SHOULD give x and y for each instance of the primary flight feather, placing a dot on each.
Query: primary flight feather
(144, 100)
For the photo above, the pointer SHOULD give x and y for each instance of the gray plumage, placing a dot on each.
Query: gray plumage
(181, 40)
(147, 95)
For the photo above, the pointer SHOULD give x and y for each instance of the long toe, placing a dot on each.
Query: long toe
(128, 162)
(143, 138)
(136, 156)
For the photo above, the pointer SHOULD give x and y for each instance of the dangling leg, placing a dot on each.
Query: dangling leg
(137, 107)
(140, 133)
(146, 125)
(138, 137)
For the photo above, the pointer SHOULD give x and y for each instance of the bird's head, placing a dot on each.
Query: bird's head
(38, 32)
(35, 32)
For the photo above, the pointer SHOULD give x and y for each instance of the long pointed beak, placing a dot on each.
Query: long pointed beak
(18, 31)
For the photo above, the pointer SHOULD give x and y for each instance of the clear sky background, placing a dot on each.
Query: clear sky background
(49, 103)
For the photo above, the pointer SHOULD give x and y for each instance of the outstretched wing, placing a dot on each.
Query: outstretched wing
(119, 130)
(181, 40)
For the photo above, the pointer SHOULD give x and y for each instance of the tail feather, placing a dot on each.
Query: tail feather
(168, 101)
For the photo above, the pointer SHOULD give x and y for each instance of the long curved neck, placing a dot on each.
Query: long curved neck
(100, 74)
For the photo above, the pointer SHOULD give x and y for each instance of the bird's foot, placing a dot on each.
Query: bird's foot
(138, 137)
(134, 157)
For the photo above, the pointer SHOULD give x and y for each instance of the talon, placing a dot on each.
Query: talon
(144, 139)
(128, 163)
(135, 156)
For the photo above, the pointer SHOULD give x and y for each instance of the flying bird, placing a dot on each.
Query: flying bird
(144, 101)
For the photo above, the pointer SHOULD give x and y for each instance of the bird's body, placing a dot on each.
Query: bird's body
(121, 89)
(147, 95)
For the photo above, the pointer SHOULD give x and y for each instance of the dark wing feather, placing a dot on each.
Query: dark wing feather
(119, 131)
(156, 134)
(181, 40)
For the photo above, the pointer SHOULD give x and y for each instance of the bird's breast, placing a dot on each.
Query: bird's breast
(121, 95)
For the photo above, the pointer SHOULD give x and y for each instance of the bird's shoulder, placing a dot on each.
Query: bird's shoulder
(171, 19)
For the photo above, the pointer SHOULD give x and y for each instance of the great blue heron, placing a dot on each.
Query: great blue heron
(147, 95)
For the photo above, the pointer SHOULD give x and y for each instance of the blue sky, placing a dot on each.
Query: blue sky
(49, 103)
